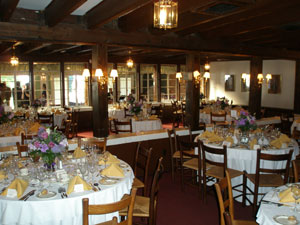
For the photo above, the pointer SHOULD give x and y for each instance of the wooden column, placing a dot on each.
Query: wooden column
(192, 93)
(31, 79)
(158, 83)
(297, 88)
(90, 91)
(255, 88)
(62, 83)
(138, 81)
(99, 101)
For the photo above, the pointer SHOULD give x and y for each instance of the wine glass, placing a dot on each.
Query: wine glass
(296, 195)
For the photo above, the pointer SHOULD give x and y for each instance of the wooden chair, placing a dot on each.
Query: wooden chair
(47, 120)
(296, 170)
(142, 162)
(122, 126)
(219, 119)
(225, 199)
(157, 110)
(127, 113)
(25, 137)
(90, 143)
(265, 177)
(74, 122)
(296, 135)
(227, 218)
(191, 169)
(177, 113)
(126, 202)
(21, 148)
(216, 168)
(146, 207)
(174, 153)
(286, 123)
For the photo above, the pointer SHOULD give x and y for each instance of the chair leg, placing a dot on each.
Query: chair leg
(255, 200)
(244, 189)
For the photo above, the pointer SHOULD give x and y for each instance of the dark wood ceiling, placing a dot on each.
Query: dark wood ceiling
(212, 29)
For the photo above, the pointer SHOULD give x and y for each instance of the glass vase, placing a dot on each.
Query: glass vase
(244, 137)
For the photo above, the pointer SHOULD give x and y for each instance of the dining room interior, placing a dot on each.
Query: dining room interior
(167, 112)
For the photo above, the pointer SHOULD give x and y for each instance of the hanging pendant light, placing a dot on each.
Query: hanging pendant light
(14, 60)
(129, 63)
(165, 14)
(206, 66)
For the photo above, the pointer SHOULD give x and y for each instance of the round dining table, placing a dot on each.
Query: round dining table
(59, 209)
(240, 158)
(272, 211)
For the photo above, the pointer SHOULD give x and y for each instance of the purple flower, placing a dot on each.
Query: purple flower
(44, 135)
(57, 148)
(51, 144)
(44, 147)
(37, 144)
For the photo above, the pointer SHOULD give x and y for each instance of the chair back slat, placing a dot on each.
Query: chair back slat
(21, 149)
(120, 126)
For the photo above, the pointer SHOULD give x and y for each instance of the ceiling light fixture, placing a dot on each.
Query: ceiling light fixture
(14, 60)
(129, 63)
(165, 14)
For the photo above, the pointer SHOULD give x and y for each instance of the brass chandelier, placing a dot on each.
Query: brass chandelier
(165, 14)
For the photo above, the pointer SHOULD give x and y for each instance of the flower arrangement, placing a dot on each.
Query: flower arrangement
(36, 103)
(136, 107)
(5, 116)
(48, 145)
(245, 122)
(130, 99)
(223, 102)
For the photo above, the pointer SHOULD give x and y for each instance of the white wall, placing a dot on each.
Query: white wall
(217, 81)
(285, 68)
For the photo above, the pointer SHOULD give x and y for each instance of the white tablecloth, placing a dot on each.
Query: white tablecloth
(295, 124)
(118, 114)
(243, 159)
(205, 118)
(268, 121)
(58, 211)
(146, 125)
(58, 118)
(8, 141)
(267, 211)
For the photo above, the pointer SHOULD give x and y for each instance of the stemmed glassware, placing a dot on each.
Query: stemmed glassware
(296, 195)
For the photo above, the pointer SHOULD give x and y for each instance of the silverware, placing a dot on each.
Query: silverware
(27, 195)
(65, 194)
(272, 203)
(3, 189)
(93, 187)
(97, 186)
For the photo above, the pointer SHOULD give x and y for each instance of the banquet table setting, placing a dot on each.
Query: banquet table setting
(29, 189)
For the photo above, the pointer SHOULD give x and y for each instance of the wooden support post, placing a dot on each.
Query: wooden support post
(192, 93)
(99, 101)
(297, 88)
(158, 82)
(255, 88)
(62, 84)
(138, 81)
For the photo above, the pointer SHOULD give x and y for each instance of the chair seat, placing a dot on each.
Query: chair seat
(193, 164)
(137, 183)
(177, 154)
(243, 222)
(218, 172)
(267, 180)
(141, 207)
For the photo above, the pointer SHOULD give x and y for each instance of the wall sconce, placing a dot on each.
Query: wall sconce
(165, 14)
(179, 76)
(101, 78)
(86, 73)
(114, 74)
(244, 77)
(206, 75)
(268, 77)
(197, 77)
(260, 78)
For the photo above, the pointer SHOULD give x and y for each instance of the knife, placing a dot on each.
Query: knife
(27, 195)
(93, 187)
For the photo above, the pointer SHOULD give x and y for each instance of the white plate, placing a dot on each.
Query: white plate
(123, 165)
(281, 219)
(107, 181)
(51, 194)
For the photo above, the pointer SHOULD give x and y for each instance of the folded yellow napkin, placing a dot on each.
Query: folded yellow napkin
(215, 138)
(18, 131)
(113, 170)
(287, 196)
(110, 159)
(2, 175)
(229, 139)
(284, 138)
(206, 110)
(20, 165)
(258, 130)
(206, 134)
(135, 117)
(77, 180)
(18, 184)
(252, 143)
(34, 128)
(276, 143)
(153, 117)
(78, 153)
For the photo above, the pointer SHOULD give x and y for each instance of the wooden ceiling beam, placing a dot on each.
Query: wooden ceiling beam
(107, 10)
(62, 49)
(5, 47)
(57, 10)
(77, 35)
(27, 49)
(143, 17)
(7, 7)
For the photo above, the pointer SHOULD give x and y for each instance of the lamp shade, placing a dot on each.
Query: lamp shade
(98, 73)
(165, 14)
(114, 73)
(269, 76)
(206, 75)
(206, 66)
(14, 61)
(129, 63)
(178, 75)
(196, 73)
(86, 72)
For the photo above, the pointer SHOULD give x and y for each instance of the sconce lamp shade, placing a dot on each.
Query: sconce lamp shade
(196, 73)
(165, 14)
(269, 76)
(206, 75)
(86, 72)
(260, 78)
(114, 73)
(178, 75)
(99, 73)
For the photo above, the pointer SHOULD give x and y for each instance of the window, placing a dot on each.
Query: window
(168, 83)
(126, 80)
(182, 84)
(76, 87)
(15, 77)
(148, 77)
(47, 83)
